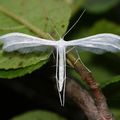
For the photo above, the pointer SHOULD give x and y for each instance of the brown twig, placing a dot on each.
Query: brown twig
(82, 98)
(85, 101)
(99, 98)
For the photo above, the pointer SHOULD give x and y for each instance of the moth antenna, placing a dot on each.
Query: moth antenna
(74, 23)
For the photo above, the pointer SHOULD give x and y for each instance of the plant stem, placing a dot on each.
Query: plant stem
(86, 102)
(82, 98)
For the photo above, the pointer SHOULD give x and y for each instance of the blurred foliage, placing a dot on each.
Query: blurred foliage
(100, 26)
(99, 6)
(116, 113)
(97, 19)
(103, 26)
(16, 61)
(38, 115)
(111, 90)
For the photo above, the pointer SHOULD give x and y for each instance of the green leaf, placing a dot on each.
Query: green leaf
(112, 81)
(31, 17)
(13, 73)
(16, 60)
(112, 91)
(38, 115)
(116, 113)
(99, 6)
(37, 13)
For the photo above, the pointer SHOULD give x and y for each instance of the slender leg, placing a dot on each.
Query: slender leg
(57, 57)
(53, 55)
(72, 48)
(64, 84)
(79, 59)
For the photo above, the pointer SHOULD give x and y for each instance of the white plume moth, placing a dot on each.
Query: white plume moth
(23, 43)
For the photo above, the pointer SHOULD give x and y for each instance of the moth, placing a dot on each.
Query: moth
(23, 43)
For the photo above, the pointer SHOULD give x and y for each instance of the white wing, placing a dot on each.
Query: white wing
(24, 43)
(99, 43)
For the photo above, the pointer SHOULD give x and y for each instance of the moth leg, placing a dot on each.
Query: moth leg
(53, 55)
(79, 59)
(60, 98)
(77, 53)
(78, 56)
(72, 48)
(57, 65)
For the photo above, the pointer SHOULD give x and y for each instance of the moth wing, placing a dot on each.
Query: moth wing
(99, 43)
(24, 43)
